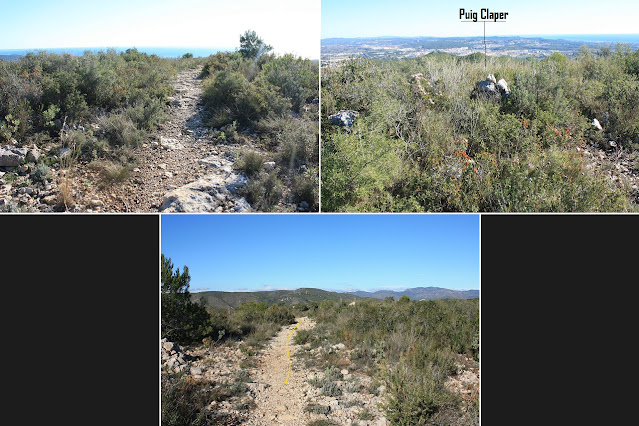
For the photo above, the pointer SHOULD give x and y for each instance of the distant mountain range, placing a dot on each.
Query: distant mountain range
(421, 293)
(228, 299)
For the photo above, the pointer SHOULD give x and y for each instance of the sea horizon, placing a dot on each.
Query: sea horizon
(161, 51)
(595, 38)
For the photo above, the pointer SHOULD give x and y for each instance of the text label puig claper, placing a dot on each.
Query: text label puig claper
(485, 15)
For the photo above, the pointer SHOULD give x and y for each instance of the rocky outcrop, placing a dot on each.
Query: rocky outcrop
(596, 123)
(173, 358)
(12, 156)
(212, 193)
(493, 89)
(344, 118)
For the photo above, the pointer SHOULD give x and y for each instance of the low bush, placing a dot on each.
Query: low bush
(264, 191)
(317, 409)
(184, 402)
(415, 397)
(40, 173)
(330, 388)
(321, 422)
(301, 337)
(366, 414)
(110, 172)
(250, 162)
(120, 130)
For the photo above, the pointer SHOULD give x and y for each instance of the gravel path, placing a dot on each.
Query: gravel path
(279, 403)
(179, 153)
(287, 404)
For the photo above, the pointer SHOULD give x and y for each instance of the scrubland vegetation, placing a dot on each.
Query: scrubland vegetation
(97, 107)
(252, 93)
(444, 148)
(104, 100)
(409, 347)
(91, 109)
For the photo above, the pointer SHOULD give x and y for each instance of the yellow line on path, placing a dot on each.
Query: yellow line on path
(289, 356)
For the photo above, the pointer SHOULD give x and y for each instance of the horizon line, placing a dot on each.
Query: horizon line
(480, 36)
(100, 48)
(373, 290)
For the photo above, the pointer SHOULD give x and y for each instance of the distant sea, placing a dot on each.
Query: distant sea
(605, 38)
(164, 52)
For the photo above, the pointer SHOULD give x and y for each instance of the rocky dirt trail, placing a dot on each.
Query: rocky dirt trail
(297, 402)
(279, 402)
(180, 168)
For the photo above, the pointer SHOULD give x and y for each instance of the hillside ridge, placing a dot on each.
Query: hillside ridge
(421, 293)
(233, 299)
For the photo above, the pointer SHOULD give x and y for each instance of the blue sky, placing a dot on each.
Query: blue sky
(328, 251)
(290, 26)
(370, 18)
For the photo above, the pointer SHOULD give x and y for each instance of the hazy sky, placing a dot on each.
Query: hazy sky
(369, 18)
(328, 251)
(290, 26)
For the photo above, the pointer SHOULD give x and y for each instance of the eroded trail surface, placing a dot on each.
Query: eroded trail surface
(180, 168)
(298, 402)
(277, 402)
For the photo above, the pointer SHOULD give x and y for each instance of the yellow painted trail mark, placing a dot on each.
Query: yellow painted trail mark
(289, 356)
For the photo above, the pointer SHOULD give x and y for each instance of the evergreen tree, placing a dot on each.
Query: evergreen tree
(251, 46)
(182, 320)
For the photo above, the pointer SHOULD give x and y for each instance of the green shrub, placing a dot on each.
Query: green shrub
(316, 381)
(333, 374)
(366, 414)
(279, 314)
(229, 97)
(147, 116)
(41, 91)
(184, 402)
(264, 191)
(414, 398)
(120, 130)
(302, 337)
(110, 172)
(330, 388)
(295, 79)
(306, 188)
(250, 162)
(88, 145)
(297, 144)
(321, 422)
(317, 409)
(40, 173)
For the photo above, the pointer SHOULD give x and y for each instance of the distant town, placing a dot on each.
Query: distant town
(338, 49)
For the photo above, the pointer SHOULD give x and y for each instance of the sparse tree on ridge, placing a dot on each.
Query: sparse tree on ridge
(251, 46)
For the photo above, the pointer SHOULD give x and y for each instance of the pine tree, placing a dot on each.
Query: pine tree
(251, 46)
(183, 321)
